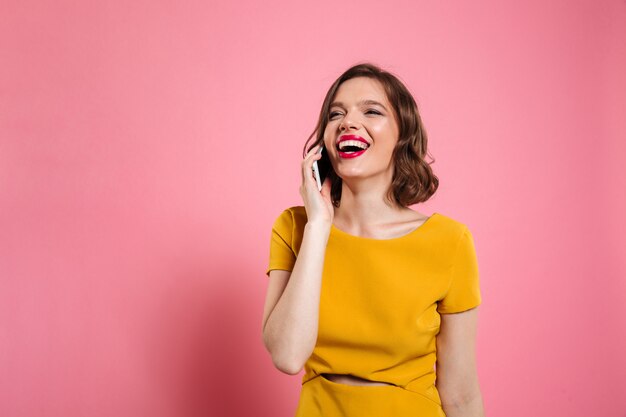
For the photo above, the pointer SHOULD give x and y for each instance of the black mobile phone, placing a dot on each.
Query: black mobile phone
(321, 168)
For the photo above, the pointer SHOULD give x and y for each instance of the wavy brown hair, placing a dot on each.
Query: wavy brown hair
(413, 179)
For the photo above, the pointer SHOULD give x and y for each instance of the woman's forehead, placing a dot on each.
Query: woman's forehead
(359, 89)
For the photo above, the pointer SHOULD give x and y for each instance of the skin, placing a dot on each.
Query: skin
(363, 212)
(365, 179)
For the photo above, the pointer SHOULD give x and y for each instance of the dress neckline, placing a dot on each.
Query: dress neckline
(411, 233)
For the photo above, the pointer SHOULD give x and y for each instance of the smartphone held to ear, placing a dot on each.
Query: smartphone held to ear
(320, 170)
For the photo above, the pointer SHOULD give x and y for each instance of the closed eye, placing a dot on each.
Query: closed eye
(370, 111)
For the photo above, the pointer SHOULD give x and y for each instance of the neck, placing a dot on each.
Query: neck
(364, 204)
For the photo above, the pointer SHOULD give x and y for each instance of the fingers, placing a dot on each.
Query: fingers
(307, 163)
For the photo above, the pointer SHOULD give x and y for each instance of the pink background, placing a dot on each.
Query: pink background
(146, 148)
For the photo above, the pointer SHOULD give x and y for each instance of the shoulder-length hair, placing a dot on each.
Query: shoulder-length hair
(413, 179)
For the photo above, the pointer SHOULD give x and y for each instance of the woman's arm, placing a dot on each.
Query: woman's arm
(290, 318)
(457, 379)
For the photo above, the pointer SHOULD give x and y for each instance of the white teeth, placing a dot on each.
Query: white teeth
(356, 143)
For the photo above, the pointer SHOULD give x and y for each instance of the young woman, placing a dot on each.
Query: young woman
(375, 300)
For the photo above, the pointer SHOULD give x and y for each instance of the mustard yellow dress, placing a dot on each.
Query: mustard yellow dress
(379, 314)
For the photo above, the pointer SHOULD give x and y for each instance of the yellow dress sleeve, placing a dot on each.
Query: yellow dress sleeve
(282, 255)
(464, 292)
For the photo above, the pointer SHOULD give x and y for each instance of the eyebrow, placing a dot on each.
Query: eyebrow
(366, 102)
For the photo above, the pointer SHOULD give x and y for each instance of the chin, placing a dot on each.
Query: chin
(348, 177)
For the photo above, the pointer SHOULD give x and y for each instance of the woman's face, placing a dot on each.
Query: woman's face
(360, 111)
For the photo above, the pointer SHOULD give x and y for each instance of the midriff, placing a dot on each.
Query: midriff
(351, 380)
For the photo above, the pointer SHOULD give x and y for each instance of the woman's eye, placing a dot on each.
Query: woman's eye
(370, 111)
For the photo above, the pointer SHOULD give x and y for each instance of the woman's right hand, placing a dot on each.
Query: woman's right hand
(318, 204)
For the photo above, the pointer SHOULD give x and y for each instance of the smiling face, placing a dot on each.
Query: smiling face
(360, 111)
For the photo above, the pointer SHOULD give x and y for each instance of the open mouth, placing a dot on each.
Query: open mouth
(351, 148)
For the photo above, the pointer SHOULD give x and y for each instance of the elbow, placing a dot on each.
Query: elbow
(290, 368)
(286, 363)
(287, 366)
(290, 363)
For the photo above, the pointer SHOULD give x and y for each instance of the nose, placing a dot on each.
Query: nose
(348, 122)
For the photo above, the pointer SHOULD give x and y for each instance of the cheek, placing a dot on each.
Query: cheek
(330, 131)
(384, 130)
(330, 126)
(328, 136)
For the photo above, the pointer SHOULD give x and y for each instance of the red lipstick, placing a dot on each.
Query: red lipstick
(354, 154)
(351, 137)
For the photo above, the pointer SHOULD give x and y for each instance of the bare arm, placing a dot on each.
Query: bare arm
(291, 314)
(457, 379)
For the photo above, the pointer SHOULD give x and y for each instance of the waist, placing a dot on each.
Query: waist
(351, 380)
